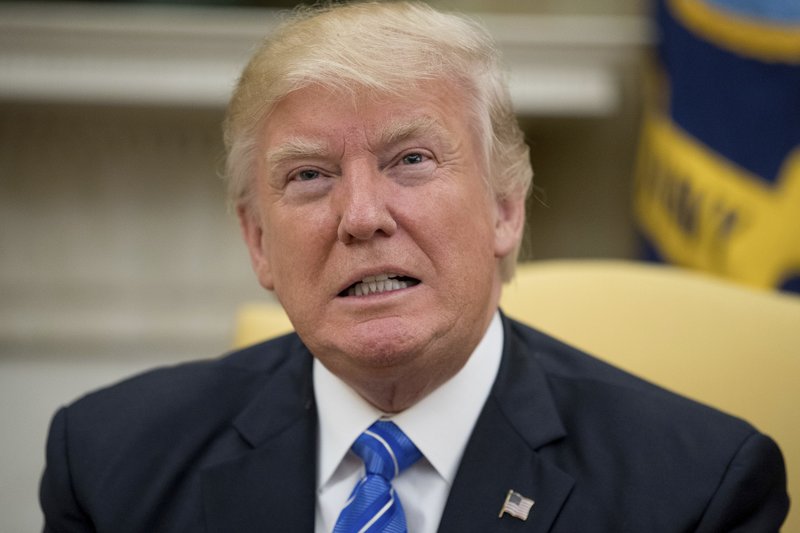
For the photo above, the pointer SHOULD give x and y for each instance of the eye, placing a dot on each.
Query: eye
(305, 175)
(413, 167)
(413, 158)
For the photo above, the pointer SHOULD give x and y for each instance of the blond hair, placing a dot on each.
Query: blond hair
(384, 47)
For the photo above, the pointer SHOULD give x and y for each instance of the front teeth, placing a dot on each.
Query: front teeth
(377, 284)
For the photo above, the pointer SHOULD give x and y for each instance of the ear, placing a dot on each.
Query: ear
(509, 224)
(253, 233)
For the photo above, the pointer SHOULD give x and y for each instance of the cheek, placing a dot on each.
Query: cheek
(461, 235)
(473, 218)
(299, 241)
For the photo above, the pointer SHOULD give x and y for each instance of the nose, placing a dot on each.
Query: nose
(364, 208)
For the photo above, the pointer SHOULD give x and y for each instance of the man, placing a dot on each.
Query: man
(380, 178)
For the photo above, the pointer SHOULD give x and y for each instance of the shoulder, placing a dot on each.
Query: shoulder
(102, 449)
(610, 406)
(575, 377)
(182, 407)
(630, 443)
(180, 390)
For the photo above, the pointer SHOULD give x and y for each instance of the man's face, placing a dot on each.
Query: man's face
(376, 228)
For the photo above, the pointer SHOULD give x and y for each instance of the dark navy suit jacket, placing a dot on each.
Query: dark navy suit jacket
(230, 446)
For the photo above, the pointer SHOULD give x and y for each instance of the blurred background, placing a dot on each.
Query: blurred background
(116, 250)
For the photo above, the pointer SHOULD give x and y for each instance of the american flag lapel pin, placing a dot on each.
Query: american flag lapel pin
(516, 505)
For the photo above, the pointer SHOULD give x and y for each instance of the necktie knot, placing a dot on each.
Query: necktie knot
(385, 449)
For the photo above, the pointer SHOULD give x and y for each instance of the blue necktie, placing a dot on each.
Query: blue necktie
(373, 505)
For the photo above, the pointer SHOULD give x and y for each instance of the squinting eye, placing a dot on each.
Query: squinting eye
(413, 159)
(305, 175)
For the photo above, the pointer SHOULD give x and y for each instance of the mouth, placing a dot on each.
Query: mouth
(379, 284)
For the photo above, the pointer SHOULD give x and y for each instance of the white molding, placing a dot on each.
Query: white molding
(179, 55)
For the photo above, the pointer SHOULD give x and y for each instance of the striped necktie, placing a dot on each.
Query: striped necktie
(373, 505)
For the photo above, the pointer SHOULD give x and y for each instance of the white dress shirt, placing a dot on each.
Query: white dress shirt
(440, 425)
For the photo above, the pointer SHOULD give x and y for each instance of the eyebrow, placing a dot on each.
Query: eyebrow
(295, 148)
(400, 131)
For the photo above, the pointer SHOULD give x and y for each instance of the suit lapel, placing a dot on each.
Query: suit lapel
(519, 418)
(271, 485)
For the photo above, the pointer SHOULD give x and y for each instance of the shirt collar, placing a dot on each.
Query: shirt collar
(440, 424)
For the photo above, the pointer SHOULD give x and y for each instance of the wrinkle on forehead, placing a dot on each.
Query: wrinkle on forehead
(394, 133)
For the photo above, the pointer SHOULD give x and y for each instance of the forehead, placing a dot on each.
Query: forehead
(318, 114)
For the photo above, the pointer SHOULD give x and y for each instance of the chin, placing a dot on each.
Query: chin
(384, 352)
(377, 347)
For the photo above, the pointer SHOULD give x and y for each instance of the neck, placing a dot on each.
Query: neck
(396, 395)
(393, 390)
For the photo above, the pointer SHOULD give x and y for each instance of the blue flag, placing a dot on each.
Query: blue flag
(718, 173)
